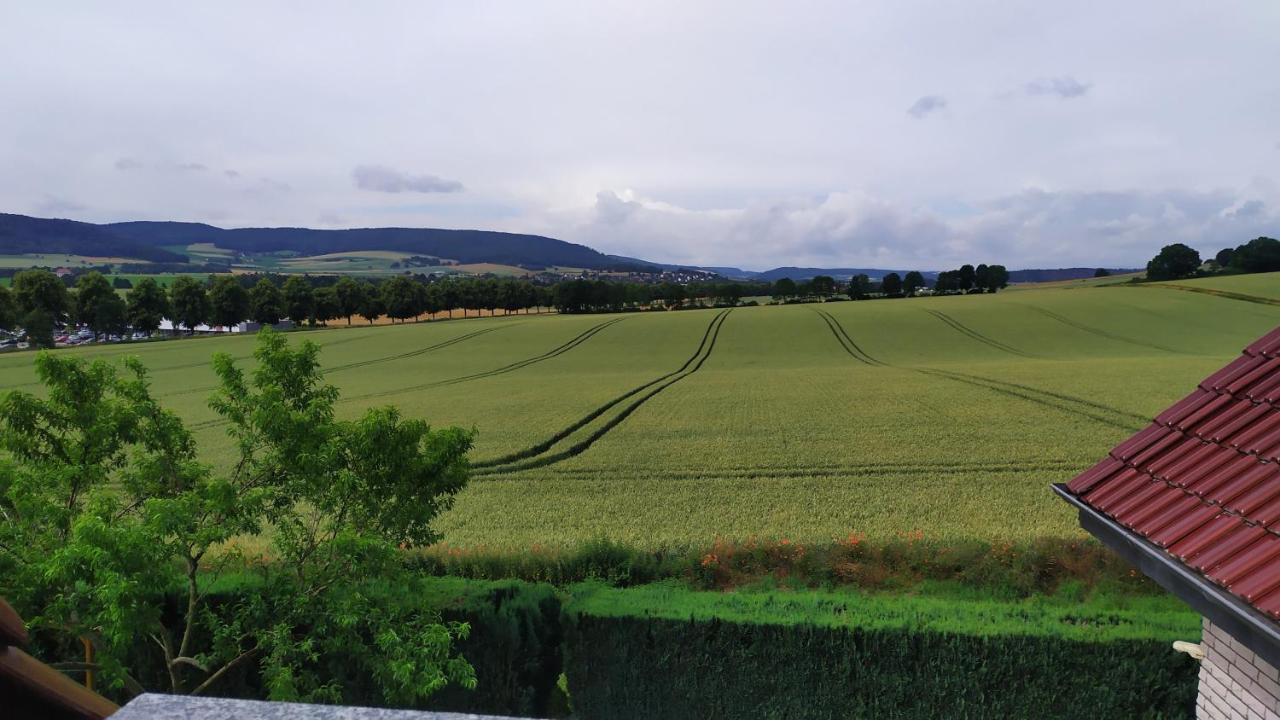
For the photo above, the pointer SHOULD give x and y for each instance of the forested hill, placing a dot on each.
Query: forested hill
(20, 234)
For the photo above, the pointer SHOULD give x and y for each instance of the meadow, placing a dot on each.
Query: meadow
(945, 417)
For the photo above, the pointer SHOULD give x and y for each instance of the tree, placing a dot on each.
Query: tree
(121, 283)
(98, 305)
(891, 285)
(107, 510)
(1258, 255)
(966, 277)
(1174, 261)
(350, 296)
(147, 305)
(859, 286)
(8, 309)
(38, 324)
(266, 304)
(326, 304)
(372, 308)
(299, 301)
(912, 282)
(228, 301)
(981, 277)
(1224, 256)
(823, 285)
(784, 289)
(41, 290)
(189, 302)
(997, 278)
(1101, 273)
(398, 298)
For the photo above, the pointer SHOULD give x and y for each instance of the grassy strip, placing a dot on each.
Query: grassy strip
(1227, 294)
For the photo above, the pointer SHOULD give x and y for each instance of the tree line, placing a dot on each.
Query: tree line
(1177, 261)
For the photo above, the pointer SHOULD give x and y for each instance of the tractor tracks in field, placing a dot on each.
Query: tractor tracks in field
(576, 438)
(819, 470)
(975, 335)
(1070, 404)
(1098, 331)
(512, 367)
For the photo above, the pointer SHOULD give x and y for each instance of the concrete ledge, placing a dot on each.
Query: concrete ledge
(182, 707)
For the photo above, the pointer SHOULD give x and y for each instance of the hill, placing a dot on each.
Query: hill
(21, 235)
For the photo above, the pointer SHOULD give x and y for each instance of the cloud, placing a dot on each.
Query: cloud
(379, 178)
(125, 164)
(1064, 87)
(233, 174)
(926, 105)
(274, 185)
(1032, 228)
(191, 167)
(52, 205)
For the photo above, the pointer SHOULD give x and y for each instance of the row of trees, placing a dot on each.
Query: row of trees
(1178, 261)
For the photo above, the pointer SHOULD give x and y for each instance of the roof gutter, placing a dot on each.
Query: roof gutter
(1242, 621)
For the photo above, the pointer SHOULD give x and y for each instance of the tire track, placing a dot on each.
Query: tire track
(975, 335)
(1099, 332)
(861, 468)
(1058, 401)
(556, 351)
(1224, 294)
(804, 472)
(537, 456)
(845, 341)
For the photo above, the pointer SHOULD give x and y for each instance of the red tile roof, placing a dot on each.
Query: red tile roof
(1203, 481)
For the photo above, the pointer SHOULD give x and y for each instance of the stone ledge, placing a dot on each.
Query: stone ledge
(180, 707)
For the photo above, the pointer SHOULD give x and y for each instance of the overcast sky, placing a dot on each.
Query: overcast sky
(889, 134)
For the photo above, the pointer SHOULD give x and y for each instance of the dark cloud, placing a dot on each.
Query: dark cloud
(379, 178)
(1064, 87)
(191, 167)
(125, 163)
(926, 105)
(231, 174)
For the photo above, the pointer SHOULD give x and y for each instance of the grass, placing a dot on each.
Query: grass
(54, 260)
(948, 416)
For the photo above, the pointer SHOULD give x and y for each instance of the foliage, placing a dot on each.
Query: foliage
(108, 509)
(8, 308)
(42, 291)
(228, 301)
(299, 300)
(266, 303)
(1259, 255)
(1173, 262)
(189, 301)
(147, 305)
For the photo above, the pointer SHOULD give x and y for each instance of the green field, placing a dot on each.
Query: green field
(950, 416)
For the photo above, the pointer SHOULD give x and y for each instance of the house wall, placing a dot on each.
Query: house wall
(1234, 683)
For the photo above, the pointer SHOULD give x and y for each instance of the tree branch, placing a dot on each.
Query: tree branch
(225, 668)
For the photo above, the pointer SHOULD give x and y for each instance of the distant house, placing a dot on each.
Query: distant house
(1193, 501)
(169, 327)
(63, 271)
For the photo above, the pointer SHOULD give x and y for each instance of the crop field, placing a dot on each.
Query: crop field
(949, 416)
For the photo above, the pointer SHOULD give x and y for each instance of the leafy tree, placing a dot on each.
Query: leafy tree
(38, 325)
(189, 301)
(966, 277)
(398, 298)
(326, 304)
(299, 301)
(859, 286)
(997, 278)
(121, 283)
(147, 305)
(1258, 255)
(891, 284)
(107, 511)
(823, 285)
(784, 289)
(98, 305)
(1101, 273)
(41, 290)
(228, 301)
(266, 304)
(372, 308)
(8, 309)
(1174, 261)
(912, 282)
(981, 277)
(1224, 256)
(350, 296)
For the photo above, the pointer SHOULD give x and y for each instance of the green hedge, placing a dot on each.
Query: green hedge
(635, 667)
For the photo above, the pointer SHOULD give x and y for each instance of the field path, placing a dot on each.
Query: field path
(575, 439)
(1070, 404)
(975, 335)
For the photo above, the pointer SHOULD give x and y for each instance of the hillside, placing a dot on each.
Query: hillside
(20, 234)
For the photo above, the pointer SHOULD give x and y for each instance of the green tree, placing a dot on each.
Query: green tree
(372, 308)
(859, 286)
(228, 301)
(891, 284)
(189, 301)
(98, 305)
(997, 278)
(966, 277)
(108, 511)
(1101, 273)
(147, 305)
(299, 300)
(8, 309)
(266, 304)
(1223, 258)
(784, 289)
(1258, 255)
(398, 297)
(823, 285)
(913, 281)
(1174, 261)
(41, 290)
(326, 304)
(350, 295)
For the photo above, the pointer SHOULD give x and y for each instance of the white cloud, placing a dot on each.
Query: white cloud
(383, 179)
(1064, 87)
(926, 105)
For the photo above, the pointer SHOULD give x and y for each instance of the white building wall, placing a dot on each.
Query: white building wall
(1235, 684)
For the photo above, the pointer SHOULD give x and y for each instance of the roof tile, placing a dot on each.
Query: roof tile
(1268, 345)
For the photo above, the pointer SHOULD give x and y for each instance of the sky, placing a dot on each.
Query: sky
(896, 134)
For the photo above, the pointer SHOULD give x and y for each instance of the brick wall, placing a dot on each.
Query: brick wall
(1234, 683)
